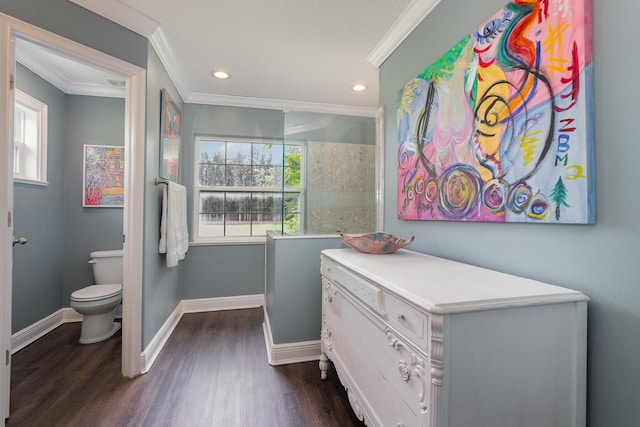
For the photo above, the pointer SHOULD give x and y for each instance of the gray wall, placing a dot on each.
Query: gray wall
(223, 270)
(96, 121)
(161, 287)
(60, 232)
(39, 216)
(601, 260)
(77, 23)
(294, 287)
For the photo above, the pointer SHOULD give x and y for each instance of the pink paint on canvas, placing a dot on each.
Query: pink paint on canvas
(500, 127)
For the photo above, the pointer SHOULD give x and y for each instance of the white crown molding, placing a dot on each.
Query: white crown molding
(71, 88)
(279, 104)
(404, 25)
(147, 27)
(160, 44)
(121, 14)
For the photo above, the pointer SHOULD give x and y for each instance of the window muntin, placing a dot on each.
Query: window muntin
(30, 139)
(245, 188)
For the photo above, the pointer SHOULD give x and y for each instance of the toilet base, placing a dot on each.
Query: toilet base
(93, 339)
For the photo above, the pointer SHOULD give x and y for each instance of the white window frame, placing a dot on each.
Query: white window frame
(197, 188)
(39, 127)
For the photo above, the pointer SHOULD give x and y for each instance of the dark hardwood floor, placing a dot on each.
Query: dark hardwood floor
(213, 371)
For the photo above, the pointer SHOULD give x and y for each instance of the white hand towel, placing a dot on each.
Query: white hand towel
(174, 235)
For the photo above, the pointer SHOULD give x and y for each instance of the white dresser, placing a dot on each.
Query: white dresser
(422, 341)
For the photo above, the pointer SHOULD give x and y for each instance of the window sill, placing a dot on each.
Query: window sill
(30, 182)
(229, 241)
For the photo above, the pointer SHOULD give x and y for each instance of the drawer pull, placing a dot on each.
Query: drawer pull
(400, 317)
(405, 372)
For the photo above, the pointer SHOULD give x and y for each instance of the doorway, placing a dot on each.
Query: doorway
(133, 214)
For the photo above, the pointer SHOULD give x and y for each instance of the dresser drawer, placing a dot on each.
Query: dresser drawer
(390, 357)
(363, 290)
(407, 320)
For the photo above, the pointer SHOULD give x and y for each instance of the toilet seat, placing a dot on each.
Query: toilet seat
(96, 292)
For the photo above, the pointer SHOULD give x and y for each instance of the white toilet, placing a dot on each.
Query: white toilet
(98, 303)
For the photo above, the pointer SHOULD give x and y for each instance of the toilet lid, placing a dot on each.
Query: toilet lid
(96, 292)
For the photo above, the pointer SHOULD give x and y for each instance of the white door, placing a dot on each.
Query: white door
(7, 70)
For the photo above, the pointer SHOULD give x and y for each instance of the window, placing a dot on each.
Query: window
(30, 139)
(243, 188)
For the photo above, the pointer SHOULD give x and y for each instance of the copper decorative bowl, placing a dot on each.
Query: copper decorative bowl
(376, 243)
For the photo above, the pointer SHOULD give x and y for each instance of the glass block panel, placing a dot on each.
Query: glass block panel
(239, 153)
(238, 176)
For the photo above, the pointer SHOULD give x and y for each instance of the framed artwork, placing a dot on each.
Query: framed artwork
(499, 128)
(170, 124)
(103, 177)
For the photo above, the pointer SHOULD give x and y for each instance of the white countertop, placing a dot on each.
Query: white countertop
(444, 286)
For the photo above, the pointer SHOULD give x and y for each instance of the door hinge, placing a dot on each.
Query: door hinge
(11, 82)
(124, 238)
(8, 219)
(8, 357)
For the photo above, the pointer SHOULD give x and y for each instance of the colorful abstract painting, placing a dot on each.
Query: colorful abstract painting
(103, 180)
(170, 123)
(499, 128)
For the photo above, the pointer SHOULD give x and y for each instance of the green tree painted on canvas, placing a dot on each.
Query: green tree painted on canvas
(559, 196)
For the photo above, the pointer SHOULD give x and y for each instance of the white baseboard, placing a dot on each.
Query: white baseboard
(152, 351)
(284, 354)
(222, 303)
(31, 333)
(150, 354)
(279, 354)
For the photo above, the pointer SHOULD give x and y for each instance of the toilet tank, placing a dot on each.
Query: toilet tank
(107, 266)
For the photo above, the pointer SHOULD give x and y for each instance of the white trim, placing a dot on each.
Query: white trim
(41, 111)
(222, 303)
(133, 219)
(278, 104)
(160, 44)
(6, 208)
(121, 14)
(404, 25)
(51, 75)
(33, 332)
(151, 353)
(284, 354)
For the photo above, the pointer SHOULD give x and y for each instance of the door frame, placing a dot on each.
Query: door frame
(133, 215)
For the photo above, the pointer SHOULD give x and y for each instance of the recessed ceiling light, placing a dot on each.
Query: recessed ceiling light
(221, 74)
(359, 87)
